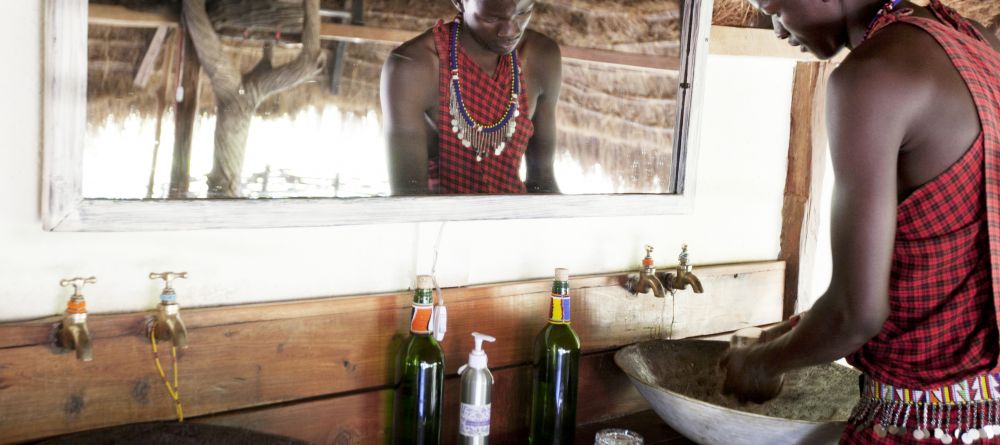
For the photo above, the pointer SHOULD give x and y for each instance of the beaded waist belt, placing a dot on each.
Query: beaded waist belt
(967, 410)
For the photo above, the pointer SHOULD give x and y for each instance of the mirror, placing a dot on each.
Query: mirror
(138, 136)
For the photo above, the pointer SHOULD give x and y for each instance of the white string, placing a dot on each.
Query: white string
(437, 247)
(440, 312)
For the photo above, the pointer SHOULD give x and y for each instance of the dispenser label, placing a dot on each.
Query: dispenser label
(420, 319)
(474, 420)
(559, 312)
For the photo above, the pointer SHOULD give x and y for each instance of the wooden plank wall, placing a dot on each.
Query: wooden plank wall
(322, 370)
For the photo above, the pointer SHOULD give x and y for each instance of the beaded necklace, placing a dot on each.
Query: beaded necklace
(887, 8)
(481, 137)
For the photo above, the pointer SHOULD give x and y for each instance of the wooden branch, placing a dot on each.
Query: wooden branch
(148, 64)
(223, 73)
(804, 179)
(305, 66)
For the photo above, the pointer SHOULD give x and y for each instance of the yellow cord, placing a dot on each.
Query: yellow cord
(175, 389)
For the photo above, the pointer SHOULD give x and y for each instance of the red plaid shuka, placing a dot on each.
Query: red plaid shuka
(486, 99)
(942, 325)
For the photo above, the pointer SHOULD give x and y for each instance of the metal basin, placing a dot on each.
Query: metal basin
(662, 369)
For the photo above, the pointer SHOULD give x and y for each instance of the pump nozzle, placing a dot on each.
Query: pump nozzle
(479, 341)
(477, 358)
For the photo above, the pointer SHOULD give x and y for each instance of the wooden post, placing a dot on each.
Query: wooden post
(806, 158)
(185, 114)
(358, 12)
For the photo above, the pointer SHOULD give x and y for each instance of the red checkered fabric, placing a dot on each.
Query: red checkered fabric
(486, 99)
(945, 284)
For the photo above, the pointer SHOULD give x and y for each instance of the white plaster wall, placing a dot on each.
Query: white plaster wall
(822, 263)
(737, 216)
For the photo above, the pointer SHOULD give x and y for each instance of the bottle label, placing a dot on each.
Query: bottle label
(420, 318)
(474, 420)
(559, 312)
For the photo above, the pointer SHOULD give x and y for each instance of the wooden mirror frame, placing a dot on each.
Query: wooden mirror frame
(64, 128)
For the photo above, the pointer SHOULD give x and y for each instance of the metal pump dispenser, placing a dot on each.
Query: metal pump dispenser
(477, 392)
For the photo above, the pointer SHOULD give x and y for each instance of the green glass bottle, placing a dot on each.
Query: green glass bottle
(420, 376)
(556, 363)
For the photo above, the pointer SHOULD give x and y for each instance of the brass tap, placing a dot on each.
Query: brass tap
(646, 280)
(683, 277)
(169, 324)
(73, 333)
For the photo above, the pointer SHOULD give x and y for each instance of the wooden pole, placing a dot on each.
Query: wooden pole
(806, 158)
(161, 105)
(148, 64)
(185, 115)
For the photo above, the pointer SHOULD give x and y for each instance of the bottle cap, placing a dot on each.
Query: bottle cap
(477, 358)
(562, 274)
(425, 282)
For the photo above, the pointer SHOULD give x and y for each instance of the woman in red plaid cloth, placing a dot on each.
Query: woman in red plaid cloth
(914, 121)
(465, 100)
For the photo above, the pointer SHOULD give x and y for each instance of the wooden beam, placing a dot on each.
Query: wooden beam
(148, 64)
(353, 33)
(804, 179)
(734, 41)
(121, 16)
(628, 60)
(116, 15)
(248, 356)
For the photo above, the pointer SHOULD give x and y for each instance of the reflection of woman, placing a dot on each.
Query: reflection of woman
(465, 100)
(915, 142)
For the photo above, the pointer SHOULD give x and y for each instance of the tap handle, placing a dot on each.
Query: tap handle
(683, 257)
(648, 260)
(77, 283)
(167, 277)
